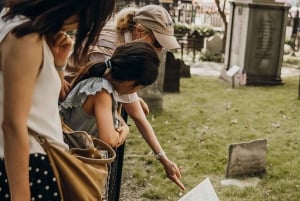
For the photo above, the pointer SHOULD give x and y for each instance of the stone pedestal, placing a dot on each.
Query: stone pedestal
(255, 40)
(153, 94)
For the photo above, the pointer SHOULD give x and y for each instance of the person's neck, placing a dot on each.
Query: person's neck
(108, 77)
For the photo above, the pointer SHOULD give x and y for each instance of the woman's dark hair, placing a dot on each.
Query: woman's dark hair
(137, 61)
(47, 18)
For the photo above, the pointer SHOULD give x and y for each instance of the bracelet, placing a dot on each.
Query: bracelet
(159, 155)
(61, 68)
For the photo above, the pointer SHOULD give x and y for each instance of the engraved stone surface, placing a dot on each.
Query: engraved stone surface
(264, 35)
(255, 40)
(213, 44)
(247, 158)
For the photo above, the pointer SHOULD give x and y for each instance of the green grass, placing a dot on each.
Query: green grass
(196, 127)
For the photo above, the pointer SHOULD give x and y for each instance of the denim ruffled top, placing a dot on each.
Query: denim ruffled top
(71, 109)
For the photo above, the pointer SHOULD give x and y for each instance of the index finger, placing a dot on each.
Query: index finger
(178, 182)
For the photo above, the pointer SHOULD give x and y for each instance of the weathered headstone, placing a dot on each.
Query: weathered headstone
(247, 158)
(152, 94)
(185, 70)
(255, 39)
(153, 97)
(172, 73)
(213, 44)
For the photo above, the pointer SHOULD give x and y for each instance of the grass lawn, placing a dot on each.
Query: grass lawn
(196, 127)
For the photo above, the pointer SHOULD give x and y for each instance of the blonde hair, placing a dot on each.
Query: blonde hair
(124, 19)
(124, 22)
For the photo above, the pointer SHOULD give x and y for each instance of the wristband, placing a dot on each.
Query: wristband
(159, 155)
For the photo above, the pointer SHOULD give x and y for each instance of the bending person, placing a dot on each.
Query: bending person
(154, 25)
(92, 105)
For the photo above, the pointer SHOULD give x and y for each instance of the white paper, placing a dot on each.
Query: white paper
(202, 192)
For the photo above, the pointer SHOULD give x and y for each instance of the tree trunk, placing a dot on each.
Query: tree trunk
(221, 11)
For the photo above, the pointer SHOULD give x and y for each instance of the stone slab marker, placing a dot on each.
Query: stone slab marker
(172, 73)
(247, 158)
(213, 44)
(153, 94)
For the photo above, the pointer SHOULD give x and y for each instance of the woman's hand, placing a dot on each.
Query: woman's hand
(173, 171)
(64, 90)
(61, 46)
(123, 131)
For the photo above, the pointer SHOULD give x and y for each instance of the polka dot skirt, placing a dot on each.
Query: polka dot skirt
(42, 181)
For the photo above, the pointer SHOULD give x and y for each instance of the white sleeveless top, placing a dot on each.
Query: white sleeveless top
(44, 114)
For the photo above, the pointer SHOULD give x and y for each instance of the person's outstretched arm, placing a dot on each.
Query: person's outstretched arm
(136, 112)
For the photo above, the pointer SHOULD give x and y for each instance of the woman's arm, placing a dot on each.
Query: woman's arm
(102, 102)
(21, 59)
(136, 112)
(144, 106)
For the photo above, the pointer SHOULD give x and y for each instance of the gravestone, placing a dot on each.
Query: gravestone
(152, 94)
(255, 39)
(172, 73)
(213, 44)
(247, 158)
(185, 70)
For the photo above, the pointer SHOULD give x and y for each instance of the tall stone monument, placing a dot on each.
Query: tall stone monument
(255, 40)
